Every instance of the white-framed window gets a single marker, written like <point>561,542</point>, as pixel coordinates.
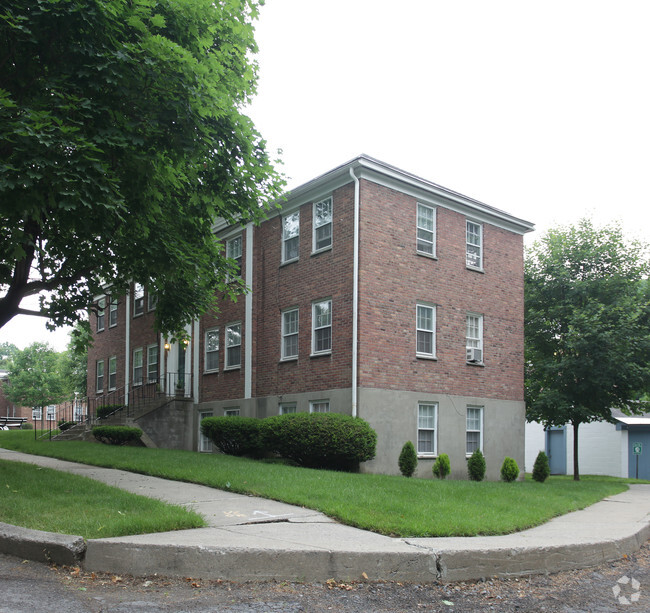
<point>290,237</point>
<point>233,346</point>
<point>138,299</point>
<point>152,301</point>
<point>231,412</point>
<point>212,350</point>
<point>319,406</point>
<point>37,413</point>
<point>322,224</point>
<point>427,427</point>
<point>112,373</point>
<point>474,436</point>
<point>101,314</point>
<point>100,375</point>
<point>152,363</point>
<point>112,313</point>
<point>321,318</point>
<point>474,338</point>
<point>426,229</point>
<point>50,412</point>
<point>474,245</point>
<point>290,334</point>
<point>425,330</point>
<point>205,444</point>
<point>234,252</point>
<point>288,407</point>
<point>137,366</point>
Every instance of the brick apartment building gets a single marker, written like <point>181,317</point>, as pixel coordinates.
<point>374,293</point>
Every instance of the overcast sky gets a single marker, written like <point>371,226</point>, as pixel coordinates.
<point>541,109</point>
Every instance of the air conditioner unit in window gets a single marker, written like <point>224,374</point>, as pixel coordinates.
<point>474,355</point>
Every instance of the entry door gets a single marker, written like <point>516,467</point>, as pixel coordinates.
<point>639,434</point>
<point>556,450</point>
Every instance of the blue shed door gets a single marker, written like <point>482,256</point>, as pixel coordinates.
<point>556,450</point>
<point>639,434</point>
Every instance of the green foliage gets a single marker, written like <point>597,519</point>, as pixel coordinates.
<point>7,351</point>
<point>64,425</point>
<point>476,466</point>
<point>74,367</point>
<point>122,139</point>
<point>320,440</point>
<point>587,326</point>
<point>408,459</point>
<point>108,409</point>
<point>442,466</point>
<point>117,435</point>
<point>509,469</point>
<point>541,468</point>
<point>34,377</point>
<point>236,436</point>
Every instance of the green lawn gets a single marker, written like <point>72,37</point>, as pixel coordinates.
<point>385,504</point>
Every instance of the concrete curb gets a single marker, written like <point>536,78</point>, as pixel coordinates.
<point>48,547</point>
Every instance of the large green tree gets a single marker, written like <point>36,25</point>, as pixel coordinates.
<point>587,326</point>
<point>122,140</point>
<point>35,378</point>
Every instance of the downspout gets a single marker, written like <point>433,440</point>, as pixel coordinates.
<point>355,295</point>
<point>248,323</point>
<point>127,348</point>
<point>195,362</point>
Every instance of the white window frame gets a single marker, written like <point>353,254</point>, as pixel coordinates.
<point>474,335</point>
<point>152,301</point>
<point>230,346</point>
<point>422,232</point>
<point>288,407</point>
<point>234,251</point>
<point>289,235</point>
<point>474,245</point>
<point>290,331</point>
<point>101,314</point>
<point>50,412</point>
<point>421,330</point>
<point>473,429</point>
<point>425,425</point>
<point>138,366</point>
<point>211,337</point>
<point>37,413</point>
<point>112,373</point>
<point>319,406</point>
<point>99,375</point>
<point>319,223</point>
<point>112,313</point>
<point>138,299</point>
<point>317,324</point>
<point>231,412</point>
<point>152,376</point>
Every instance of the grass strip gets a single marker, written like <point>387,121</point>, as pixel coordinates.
<point>55,501</point>
<point>390,505</point>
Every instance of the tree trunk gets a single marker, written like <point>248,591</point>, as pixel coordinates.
<point>576,469</point>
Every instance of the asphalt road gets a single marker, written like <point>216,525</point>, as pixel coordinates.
<point>30,587</point>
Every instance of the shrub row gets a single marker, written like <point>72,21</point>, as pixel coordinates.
<point>107,409</point>
<point>65,425</point>
<point>315,440</point>
<point>117,435</point>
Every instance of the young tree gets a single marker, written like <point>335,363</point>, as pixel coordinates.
<point>122,140</point>
<point>587,327</point>
<point>34,378</point>
<point>74,361</point>
<point>7,350</point>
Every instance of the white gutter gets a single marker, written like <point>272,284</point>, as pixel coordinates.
<point>248,323</point>
<point>355,294</point>
<point>195,362</point>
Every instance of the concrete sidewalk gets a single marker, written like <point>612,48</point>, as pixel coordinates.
<point>252,538</point>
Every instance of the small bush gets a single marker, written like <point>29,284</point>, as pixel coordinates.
<point>320,440</point>
<point>541,468</point>
<point>476,466</point>
<point>509,469</point>
<point>238,436</point>
<point>442,466</point>
<point>408,459</point>
<point>117,435</point>
<point>108,409</point>
<point>27,426</point>
<point>65,425</point>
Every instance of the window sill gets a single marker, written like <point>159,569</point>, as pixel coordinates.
<point>291,359</point>
<point>227,368</point>
<point>431,256</point>
<point>425,356</point>
<point>481,364</point>
<point>211,372</point>
<point>427,456</point>
<point>321,250</point>
<point>137,315</point>
<point>287,262</point>
<point>320,354</point>
<point>475,269</point>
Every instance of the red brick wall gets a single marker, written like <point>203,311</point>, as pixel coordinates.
<point>393,278</point>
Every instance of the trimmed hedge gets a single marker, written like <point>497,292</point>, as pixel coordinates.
<point>117,435</point>
<point>408,459</point>
<point>65,425</point>
<point>476,466</point>
<point>320,440</point>
<point>442,466</point>
<point>236,436</point>
<point>509,469</point>
<point>108,409</point>
<point>541,468</point>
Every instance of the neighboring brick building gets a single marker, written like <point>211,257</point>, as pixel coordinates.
<point>374,293</point>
